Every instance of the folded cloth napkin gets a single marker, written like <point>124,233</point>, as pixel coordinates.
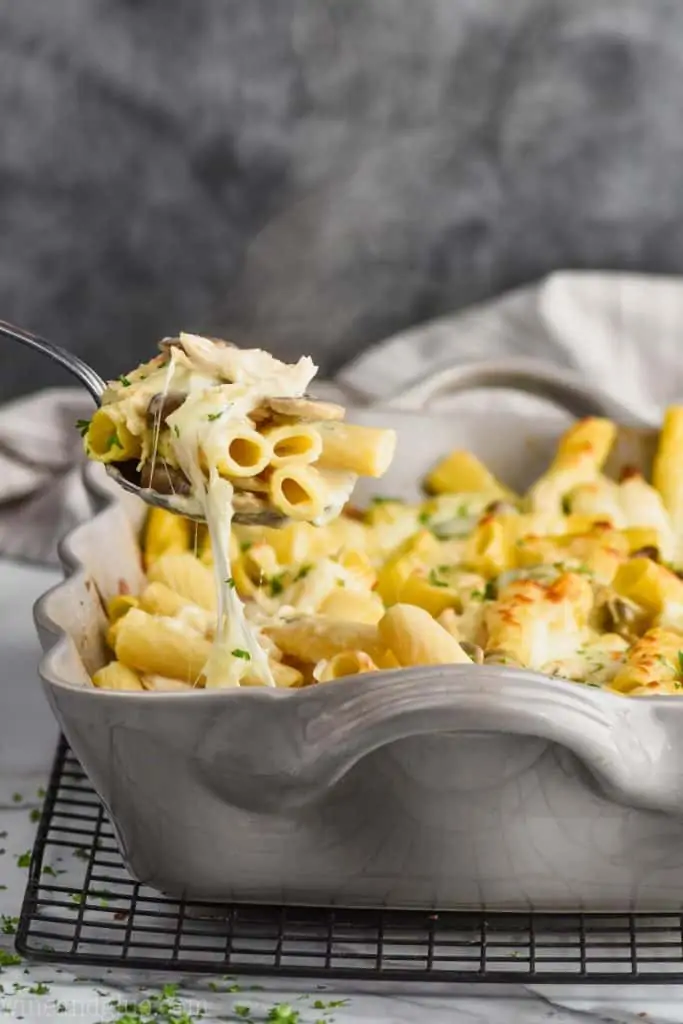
<point>621,331</point>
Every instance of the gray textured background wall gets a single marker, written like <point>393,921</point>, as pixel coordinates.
<point>314,174</point>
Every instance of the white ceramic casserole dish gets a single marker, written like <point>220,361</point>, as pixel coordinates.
<point>452,787</point>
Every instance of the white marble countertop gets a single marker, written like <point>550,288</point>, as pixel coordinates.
<point>33,992</point>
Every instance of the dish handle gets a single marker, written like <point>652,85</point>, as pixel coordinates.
<point>534,377</point>
<point>309,744</point>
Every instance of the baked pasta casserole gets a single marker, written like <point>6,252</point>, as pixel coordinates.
<point>577,578</point>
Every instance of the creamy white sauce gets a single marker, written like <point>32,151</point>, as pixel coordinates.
<point>200,431</point>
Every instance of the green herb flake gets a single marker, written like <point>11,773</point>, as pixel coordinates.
<point>490,591</point>
<point>275,585</point>
<point>24,859</point>
<point>214,416</point>
<point>81,853</point>
<point>239,653</point>
<point>230,582</point>
<point>242,1011</point>
<point>245,545</point>
<point>35,814</point>
<point>302,573</point>
<point>39,989</point>
<point>82,426</point>
<point>424,518</point>
<point>680,662</point>
<point>434,579</point>
<point>17,798</point>
<point>381,500</point>
<point>124,381</point>
<point>40,793</point>
<point>113,442</point>
<point>283,1013</point>
<point>77,898</point>
<point>48,870</point>
<point>9,959</point>
<point>566,505</point>
<point>176,431</point>
<point>8,925</point>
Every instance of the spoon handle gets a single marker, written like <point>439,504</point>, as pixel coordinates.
<point>79,369</point>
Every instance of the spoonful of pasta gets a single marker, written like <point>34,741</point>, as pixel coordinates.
<point>205,424</point>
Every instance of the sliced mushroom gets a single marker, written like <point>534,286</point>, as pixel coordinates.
<point>648,551</point>
<point>257,509</point>
<point>164,479</point>
<point>473,651</point>
<point>167,343</point>
<point>303,409</point>
<point>498,507</point>
<point>162,405</point>
<point>621,617</point>
<point>498,657</point>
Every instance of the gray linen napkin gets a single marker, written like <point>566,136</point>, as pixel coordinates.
<point>621,331</point>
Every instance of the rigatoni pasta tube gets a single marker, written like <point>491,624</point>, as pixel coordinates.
<point>294,442</point>
<point>187,576</point>
<point>314,638</point>
<point>353,606</point>
<point>298,491</point>
<point>160,646</point>
<point>116,676</point>
<point>243,452</point>
<point>653,662</point>
<point>666,471</point>
<point>367,451</point>
<point>416,639</point>
<point>460,472</point>
<point>108,439</point>
<point>648,584</point>
<point>165,533</point>
<point>346,663</point>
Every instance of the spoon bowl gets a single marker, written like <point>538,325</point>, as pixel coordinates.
<point>249,510</point>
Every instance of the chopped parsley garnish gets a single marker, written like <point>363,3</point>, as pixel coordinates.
<point>214,415</point>
<point>680,662</point>
<point>424,518</point>
<point>490,591</point>
<point>82,426</point>
<point>434,578</point>
<point>302,573</point>
<point>39,989</point>
<point>124,381</point>
<point>239,653</point>
<point>8,925</point>
<point>112,441</point>
<point>35,814</point>
<point>8,959</point>
<point>231,583</point>
<point>275,585</point>
<point>245,545</point>
<point>176,431</point>
<point>76,897</point>
<point>380,500</point>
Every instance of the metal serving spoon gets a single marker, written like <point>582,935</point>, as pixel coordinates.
<point>249,510</point>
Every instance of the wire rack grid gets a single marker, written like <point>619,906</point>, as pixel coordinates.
<point>82,907</point>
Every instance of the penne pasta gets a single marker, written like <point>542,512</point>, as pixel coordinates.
<point>316,638</point>
<point>346,663</point>
<point>366,451</point>
<point>462,473</point>
<point>294,443</point>
<point>155,645</point>
<point>298,491</point>
<point>116,676</point>
<point>108,439</point>
<point>415,638</point>
<point>187,576</point>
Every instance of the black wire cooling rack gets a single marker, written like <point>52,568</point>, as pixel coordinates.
<point>82,907</point>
